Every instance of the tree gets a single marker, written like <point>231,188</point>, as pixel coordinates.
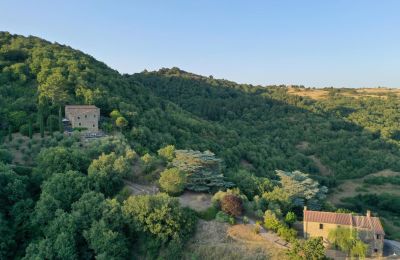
<point>298,189</point>
<point>167,152</point>
<point>311,249</point>
<point>53,88</point>
<point>160,215</point>
<point>121,122</point>
<point>9,133</point>
<point>41,124</point>
<point>232,205</point>
<point>107,172</point>
<point>347,240</point>
<point>30,128</point>
<point>60,159</point>
<point>290,218</point>
<point>173,181</point>
<point>60,123</point>
<point>271,221</point>
<point>203,169</point>
<point>105,242</point>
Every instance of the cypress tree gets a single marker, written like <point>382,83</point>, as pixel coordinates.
<point>50,125</point>
<point>60,123</point>
<point>30,128</point>
<point>9,133</point>
<point>41,124</point>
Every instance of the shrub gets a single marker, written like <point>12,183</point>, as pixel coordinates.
<point>208,214</point>
<point>312,248</point>
<point>222,217</point>
<point>24,130</point>
<point>290,218</point>
<point>232,205</point>
<point>288,234</point>
<point>167,152</point>
<point>271,221</point>
<point>173,181</point>
<point>245,220</point>
<point>257,228</point>
<point>5,156</point>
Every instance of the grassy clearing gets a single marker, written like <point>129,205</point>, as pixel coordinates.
<point>212,241</point>
<point>319,94</point>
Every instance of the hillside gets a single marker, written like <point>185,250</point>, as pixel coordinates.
<point>62,197</point>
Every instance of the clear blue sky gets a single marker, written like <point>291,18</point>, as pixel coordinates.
<point>353,43</point>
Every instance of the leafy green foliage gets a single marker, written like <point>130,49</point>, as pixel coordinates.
<point>60,159</point>
<point>167,152</point>
<point>159,215</point>
<point>347,240</point>
<point>173,181</point>
<point>311,249</point>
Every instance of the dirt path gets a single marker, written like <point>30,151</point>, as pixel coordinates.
<point>138,189</point>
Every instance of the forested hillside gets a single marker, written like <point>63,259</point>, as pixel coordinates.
<point>279,130</point>
<point>64,198</point>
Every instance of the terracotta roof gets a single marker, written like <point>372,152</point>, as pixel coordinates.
<point>362,222</point>
<point>80,106</point>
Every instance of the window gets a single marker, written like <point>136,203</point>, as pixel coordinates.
<point>378,236</point>
<point>79,117</point>
<point>321,226</point>
<point>93,125</point>
<point>94,115</point>
<point>85,116</point>
<point>376,250</point>
<point>79,124</point>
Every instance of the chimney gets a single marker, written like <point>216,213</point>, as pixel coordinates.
<point>368,213</point>
<point>305,208</point>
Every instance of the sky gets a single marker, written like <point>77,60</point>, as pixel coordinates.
<point>316,43</point>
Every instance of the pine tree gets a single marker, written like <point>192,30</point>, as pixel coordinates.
<point>203,169</point>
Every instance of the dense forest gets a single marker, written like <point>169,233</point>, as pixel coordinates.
<point>68,200</point>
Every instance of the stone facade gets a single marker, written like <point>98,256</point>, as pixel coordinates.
<point>83,116</point>
<point>369,229</point>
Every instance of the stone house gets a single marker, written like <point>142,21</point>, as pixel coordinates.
<point>83,116</point>
<point>369,229</point>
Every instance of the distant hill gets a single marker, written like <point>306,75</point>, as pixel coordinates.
<point>251,127</point>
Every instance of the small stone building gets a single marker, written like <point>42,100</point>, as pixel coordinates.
<point>83,116</point>
<point>370,230</point>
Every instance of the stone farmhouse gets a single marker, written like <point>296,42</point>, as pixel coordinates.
<point>370,230</point>
<point>83,116</point>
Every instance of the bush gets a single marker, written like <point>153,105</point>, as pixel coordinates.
<point>271,221</point>
<point>222,217</point>
<point>173,181</point>
<point>257,228</point>
<point>5,156</point>
<point>288,234</point>
<point>245,220</point>
<point>167,152</point>
<point>290,218</point>
<point>231,205</point>
<point>208,214</point>
<point>24,130</point>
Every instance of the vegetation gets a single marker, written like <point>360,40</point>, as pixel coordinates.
<point>173,181</point>
<point>348,241</point>
<point>67,202</point>
<point>311,249</point>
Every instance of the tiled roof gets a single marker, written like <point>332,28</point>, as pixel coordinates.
<point>362,222</point>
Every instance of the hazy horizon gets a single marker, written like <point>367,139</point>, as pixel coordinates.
<point>313,43</point>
